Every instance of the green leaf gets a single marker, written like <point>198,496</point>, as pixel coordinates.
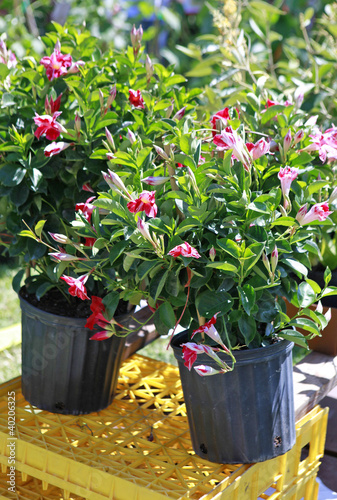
<point>247,326</point>
<point>327,276</point>
<point>283,221</point>
<point>110,302</point>
<point>28,234</point>
<point>224,266</point>
<point>42,289</point>
<point>209,303</point>
<point>145,267</point>
<point>16,283</point>
<point>172,284</point>
<point>296,266</point>
<point>305,294</point>
<point>247,295</point>
<point>117,250</point>
<point>230,247</point>
<point>185,160</point>
<point>315,286</point>
<point>265,9</point>
<point>11,175</point>
<point>187,224</point>
<point>305,324</point>
<point>293,336</point>
<point>39,227</point>
<point>272,110</point>
<point>157,284</point>
<point>167,315</point>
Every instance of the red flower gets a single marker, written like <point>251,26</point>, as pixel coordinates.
<point>135,98</point>
<point>146,202</point>
<point>102,335</point>
<point>48,125</point>
<point>89,242</point>
<point>96,318</point>
<point>51,106</point>
<point>86,208</point>
<point>57,64</point>
<point>185,250</point>
<point>77,288</point>
<point>222,115</point>
<point>206,326</point>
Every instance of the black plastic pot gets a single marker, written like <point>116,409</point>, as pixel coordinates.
<point>62,370</point>
<point>242,416</point>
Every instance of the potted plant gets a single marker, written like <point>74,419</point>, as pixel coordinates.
<point>63,117</point>
<point>216,229</point>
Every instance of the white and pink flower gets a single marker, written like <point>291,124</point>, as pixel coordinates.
<point>54,148</point>
<point>287,175</point>
<point>76,286</point>
<point>318,212</point>
<point>145,203</point>
<point>184,250</point>
<point>48,125</point>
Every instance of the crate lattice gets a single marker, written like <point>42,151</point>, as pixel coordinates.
<point>140,448</point>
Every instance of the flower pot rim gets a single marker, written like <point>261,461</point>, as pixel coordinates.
<point>57,318</point>
<point>243,356</point>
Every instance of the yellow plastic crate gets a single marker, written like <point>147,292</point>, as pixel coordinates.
<point>139,448</point>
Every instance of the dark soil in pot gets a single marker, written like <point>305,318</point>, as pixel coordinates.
<point>55,302</point>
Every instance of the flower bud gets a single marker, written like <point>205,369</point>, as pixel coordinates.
<point>266,262</point>
<point>149,68</point>
<point>110,156</point>
<point>169,111</point>
<point>274,259</point>
<point>161,152</point>
<point>143,228</point>
<point>78,125</point>
<point>62,256</point>
<point>110,139</point>
<point>58,46</point>
<point>287,142</point>
<point>299,96</point>
<point>204,370</point>
<point>155,181</point>
<point>86,187</point>
<point>298,136</point>
<point>179,114</point>
<point>60,238</point>
<point>114,181</point>
<point>212,254</point>
<point>131,136</point>
<point>112,96</point>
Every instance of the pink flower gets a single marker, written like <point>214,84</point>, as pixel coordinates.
<point>258,149</point>
<point>298,136</point>
<point>54,148</point>
<point>77,288</point>
<point>319,211</point>
<point>229,139</point>
<point>48,125</point>
<point>51,106</point>
<point>57,64</point>
<point>135,98</point>
<point>86,208</point>
<point>75,67</point>
<point>185,250</point>
<point>325,144</point>
<point>287,175</point>
<point>146,202</point>
<point>212,253</point>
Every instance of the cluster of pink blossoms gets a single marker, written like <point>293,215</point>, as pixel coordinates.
<point>325,143</point>
<point>58,64</point>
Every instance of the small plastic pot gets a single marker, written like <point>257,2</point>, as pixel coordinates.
<point>242,416</point>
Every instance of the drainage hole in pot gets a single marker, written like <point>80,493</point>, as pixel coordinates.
<point>277,441</point>
<point>203,448</point>
<point>59,405</point>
